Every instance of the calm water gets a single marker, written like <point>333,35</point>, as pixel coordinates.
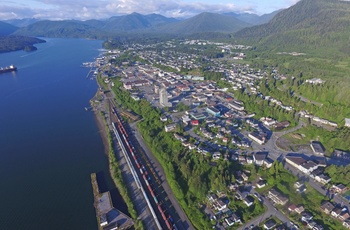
<point>49,144</point>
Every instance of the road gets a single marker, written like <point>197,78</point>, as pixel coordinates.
<point>271,211</point>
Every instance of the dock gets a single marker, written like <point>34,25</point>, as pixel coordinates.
<point>108,216</point>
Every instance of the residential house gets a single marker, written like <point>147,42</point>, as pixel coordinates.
<point>270,224</point>
<point>344,215</point>
<point>346,223</point>
<point>292,208</point>
<point>322,178</point>
<point>336,212</point>
<point>299,209</point>
<point>308,166</point>
<point>259,158</point>
<point>261,183</point>
<point>306,217</point>
<point>327,207</point>
<point>317,148</point>
<point>277,197</point>
<point>216,155</point>
<point>232,219</point>
<point>170,127</point>
<point>268,162</point>
<point>219,205</point>
<point>212,197</point>
<point>295,161</point>
<point>339,188</point>
<point>248,201</point>
<point>257,138</point>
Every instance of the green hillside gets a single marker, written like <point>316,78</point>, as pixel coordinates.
<point>62,29</point>
<point>14,43</point>
<point>314,26</point>
<point>205,22</point>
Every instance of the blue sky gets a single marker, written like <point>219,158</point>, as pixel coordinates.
<point>87,9</point>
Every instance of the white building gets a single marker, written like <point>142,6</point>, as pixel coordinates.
<point>347,122</point>
<point>163,98</point>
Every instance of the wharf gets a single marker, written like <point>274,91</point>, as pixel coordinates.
<point>108,216</point>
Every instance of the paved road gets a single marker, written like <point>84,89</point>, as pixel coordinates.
<point>271,211</point>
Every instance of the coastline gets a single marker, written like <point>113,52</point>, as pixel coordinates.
<point>114,171</point>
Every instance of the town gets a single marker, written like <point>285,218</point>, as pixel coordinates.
<point>205,111</point>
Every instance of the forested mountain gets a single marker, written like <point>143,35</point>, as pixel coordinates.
<point>6,28</point>
<point>309,25</point>
<point>205,22</point>
<point>13,43</point>
<point>74,29</point>
<point>135,21</point>
<point>253,19</point>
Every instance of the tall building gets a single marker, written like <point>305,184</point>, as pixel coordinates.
<point>163,98</point>
<point>156,89</point>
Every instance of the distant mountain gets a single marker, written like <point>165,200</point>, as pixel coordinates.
<point>205,22</point>
<point>309,25</point>
<point>253,19</point>
<point>6,28</point>
<point>74,29</point>
<point>22,22</point>
<point>135,21</point>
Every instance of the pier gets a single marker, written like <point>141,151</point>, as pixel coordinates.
<point>108,216</point>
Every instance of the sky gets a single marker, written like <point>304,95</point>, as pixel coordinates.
<point>100,9</point>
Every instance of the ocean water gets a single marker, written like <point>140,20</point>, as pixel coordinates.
<point>49,144</point>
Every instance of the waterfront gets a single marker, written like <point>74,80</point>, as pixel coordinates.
<point>49,144</point>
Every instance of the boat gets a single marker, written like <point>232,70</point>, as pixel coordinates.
<point>8,69</point>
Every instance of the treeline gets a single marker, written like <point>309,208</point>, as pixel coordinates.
<point>339,174</point>
<point>190,175</point>
<point>264,108</point>
<point>14,43</point>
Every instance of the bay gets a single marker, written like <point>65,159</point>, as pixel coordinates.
<point>49,144</point>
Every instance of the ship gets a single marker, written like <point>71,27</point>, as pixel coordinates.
<point>8,69</point>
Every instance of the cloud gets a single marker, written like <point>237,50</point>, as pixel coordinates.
<point>98,9</point>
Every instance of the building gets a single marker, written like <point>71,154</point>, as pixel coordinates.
<point>213,111</point>
<point>339,188</point>
<point>259,158</point>
<point>317,148</point>
<point>170,127</point>
<point>327,207</point>
<point>347,122</point>
<point>295,161</point>
<point>315,81</point>
<point>270,224</point>
<point>163,98</point>
<point>257,138</point>
<point>236,106</point>
<point>277,197</point>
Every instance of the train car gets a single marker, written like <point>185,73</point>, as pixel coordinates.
<point>144,178</point>
<point>152,193</point>
<point>168,225</point>
<point>155,199</point>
